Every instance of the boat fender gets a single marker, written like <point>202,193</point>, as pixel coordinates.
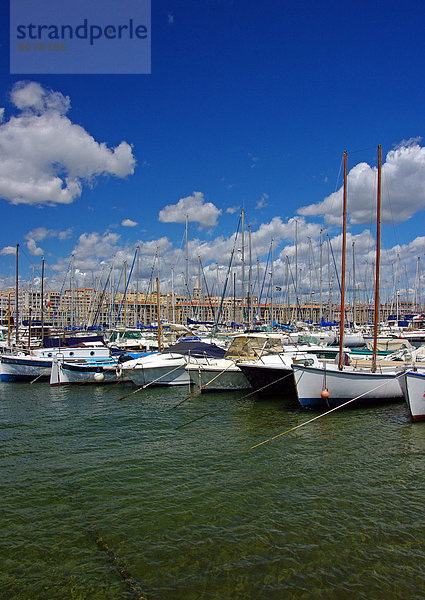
<point>325,394</point>
<point>99,377</point>
<point>118,371</point>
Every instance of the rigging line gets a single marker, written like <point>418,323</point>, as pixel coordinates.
<point>227,276</point>
<point>339,173</point>
<point>207,290</point>
<point>114,295</point>
<point>101,299</point>
<point>362,150</point>
<point>324,414</point>
<point>264,279</point>
<point>334,261</point>
<point>337,276</point>
<point>297,300</point>
<point>315,271</point>
<point>148,291</point>
<point>61,291</point>
<point>125,290</point>
<point>384,176</point>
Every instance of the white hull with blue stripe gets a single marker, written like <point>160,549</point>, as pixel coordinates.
<point>38,364</point>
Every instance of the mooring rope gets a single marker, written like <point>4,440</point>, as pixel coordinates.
<point>242,399</point>
<point>43,374</point>
<point>125,375</point>
<point>150,383</point>
<point>324,414</point>
<point>203,387</point>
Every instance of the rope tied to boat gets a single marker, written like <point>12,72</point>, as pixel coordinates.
<point>238,400</point>
<point>325,413</point>
<point>150,383</point>
<point>203,387</point>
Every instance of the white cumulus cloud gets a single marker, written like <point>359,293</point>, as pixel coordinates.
<point>45,158</point>
<point>128,223</point>
<point>403,189</point>
<point>8,250</point>
<point>41,233</point>
<point>195,208</point>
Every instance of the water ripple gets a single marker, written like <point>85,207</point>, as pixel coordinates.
<point>332,510</point>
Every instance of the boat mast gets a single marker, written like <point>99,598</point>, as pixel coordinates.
<point>42,299</point>
<point>173,305</point>
<point>272,285</point>
<point>296,271</point>
<point>125,295</point>
<point>17,296</point>
<point>136,320</point>
<point>250,302</point>
<point>187,267</point>
<point>354,285</point>
<point>8,320</point>
<point>330,312</point>
<point>243,268</point>
<point>378,257</point>
<point>310,278</point>
<point>72,291</point>
<point>344,241</point>
<point>158,303</point>
<point>321,274</point>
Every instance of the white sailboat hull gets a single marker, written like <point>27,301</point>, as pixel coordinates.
<point>157,369</point>
<point>343,386</point>
<point>412,384</point>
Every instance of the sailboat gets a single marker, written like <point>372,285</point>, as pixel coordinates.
<point>331,385</point>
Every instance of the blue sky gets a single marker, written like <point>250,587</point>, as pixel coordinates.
<point>248,105</point>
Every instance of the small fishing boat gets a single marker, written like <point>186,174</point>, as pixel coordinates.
<point>327,386</point>
<point>412,384</point>
<point>86,371</point>
<point>37,364</point>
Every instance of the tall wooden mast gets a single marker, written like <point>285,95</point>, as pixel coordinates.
<point>344,243</point>
<point>378,261</point>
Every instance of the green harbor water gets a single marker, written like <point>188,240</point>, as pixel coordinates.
<point>102,498</point>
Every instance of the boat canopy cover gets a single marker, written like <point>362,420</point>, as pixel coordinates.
<point>324,323</point>
<point>195,322</point>
<point>197,349</point>
<point>282,326</point>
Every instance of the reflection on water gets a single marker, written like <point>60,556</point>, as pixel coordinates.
<point>331,510</point>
